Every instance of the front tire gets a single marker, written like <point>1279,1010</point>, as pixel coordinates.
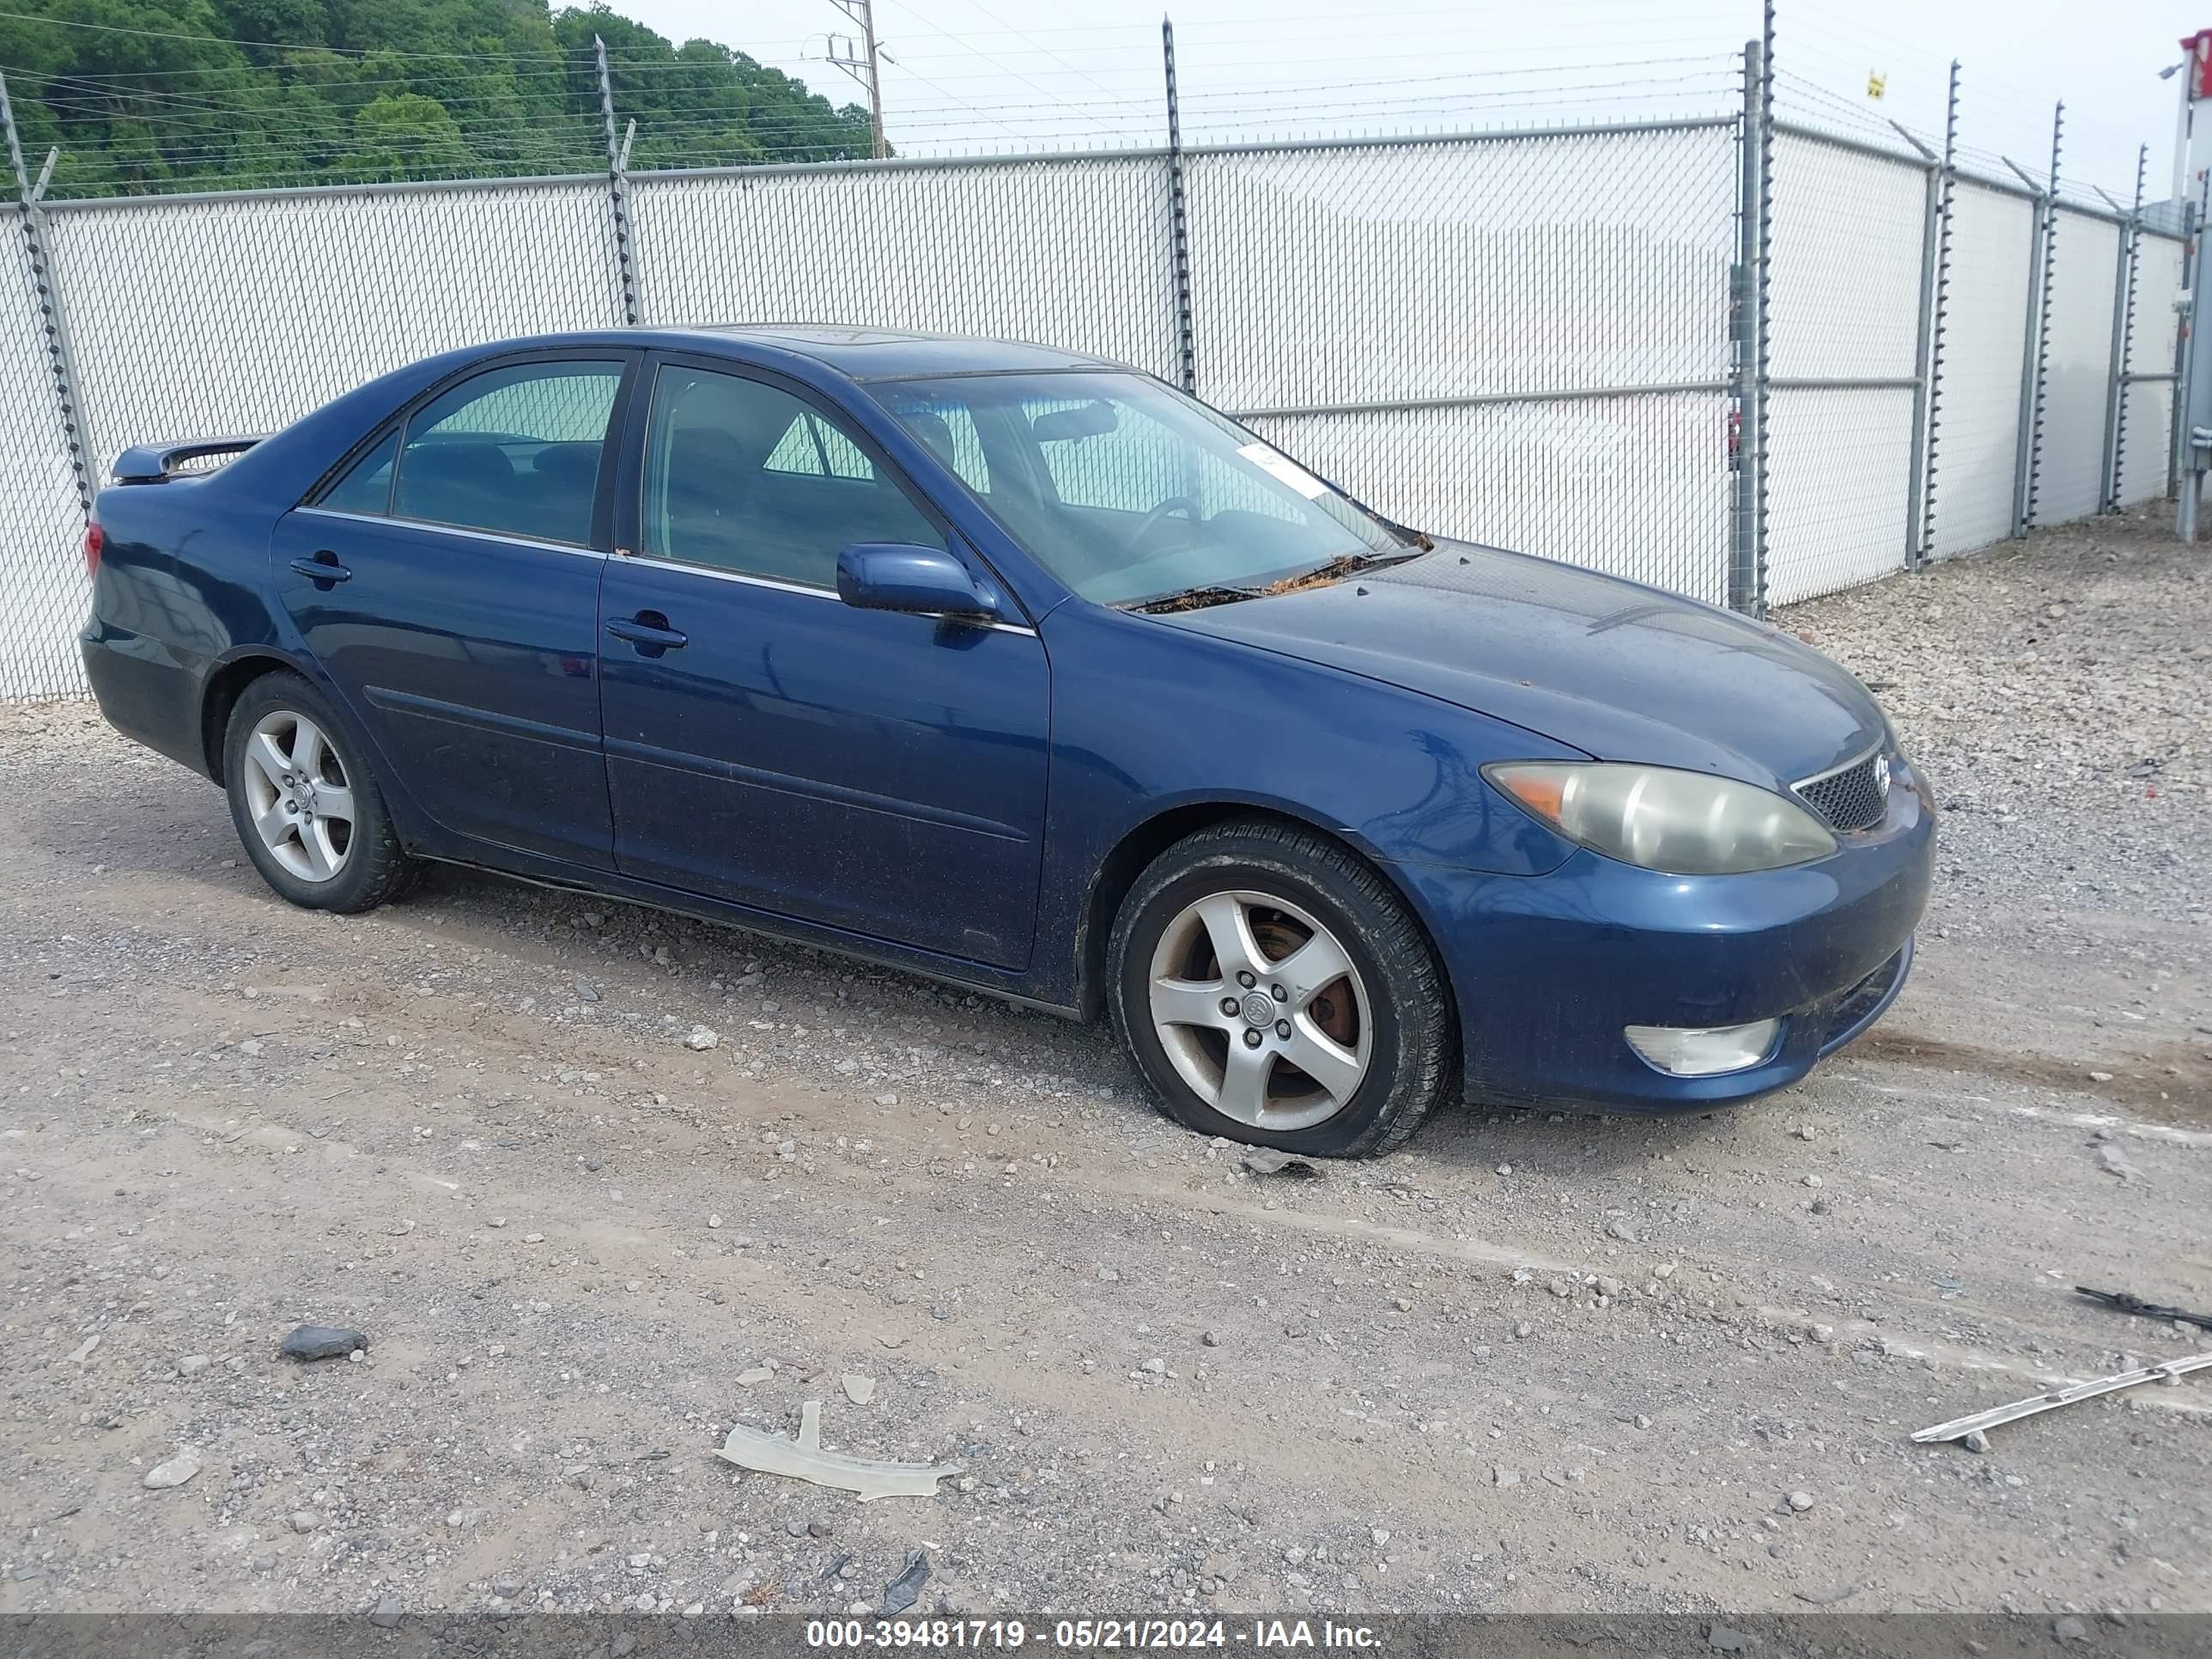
<point>1275,989</point>
<point>307,808</point>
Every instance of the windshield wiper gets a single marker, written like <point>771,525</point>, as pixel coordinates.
<point>1345,564</point>
<point>1377,561</point>
<point>1193,598</point>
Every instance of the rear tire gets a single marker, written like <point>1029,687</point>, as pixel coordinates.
<point>1275,989</point>
<point>307,808</point>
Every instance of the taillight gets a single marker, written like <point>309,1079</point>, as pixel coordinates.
<point>93,541</point>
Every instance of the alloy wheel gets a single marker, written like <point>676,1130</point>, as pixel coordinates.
<point>298,796</point>
<point>1261,1010</point>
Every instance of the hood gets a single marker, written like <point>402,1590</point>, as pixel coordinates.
<point>1618,669</point>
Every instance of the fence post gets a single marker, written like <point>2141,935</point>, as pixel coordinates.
<point>2124,330</point>
<point>1178,220</point>
<point>1924,343</point>
<point>1927,401</point>
<point>1762,341</point>
<point>1743,516</point>
<point>2176,421</point>
<point>2028,457</point>
<point>617,188</point>
<point>46,285</point>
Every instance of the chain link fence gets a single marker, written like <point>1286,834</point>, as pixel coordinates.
<point>240,313</point>
<point>1975,479</point>
<point>1844,273</point>
<point>1071,250</point>
<point>1519,339</point>
<point>2144,445</point>
<point>42,582</point>
<point>1541,339</point>
<point>2078,367</point>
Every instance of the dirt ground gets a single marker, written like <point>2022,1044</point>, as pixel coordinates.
<point>1530,1362</point>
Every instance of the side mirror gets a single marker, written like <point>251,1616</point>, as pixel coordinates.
<point>920,581</point>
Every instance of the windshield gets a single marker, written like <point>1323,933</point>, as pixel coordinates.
<point>1131,493</point>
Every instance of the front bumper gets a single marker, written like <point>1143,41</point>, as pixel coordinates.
<point>1548,971</point>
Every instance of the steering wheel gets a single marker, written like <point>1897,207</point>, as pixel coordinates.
<point>1159,516</point>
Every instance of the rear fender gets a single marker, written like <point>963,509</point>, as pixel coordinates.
<point>227,682</point>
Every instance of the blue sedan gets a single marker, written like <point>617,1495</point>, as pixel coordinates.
<point>1016,668</point>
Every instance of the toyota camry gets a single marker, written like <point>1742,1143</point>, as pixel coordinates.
<point>1018,668</point>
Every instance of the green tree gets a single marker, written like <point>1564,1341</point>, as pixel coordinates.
<point>405,137</point>
<point>210,94</point>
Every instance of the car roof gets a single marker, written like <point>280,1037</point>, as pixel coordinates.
<point>858,353</point>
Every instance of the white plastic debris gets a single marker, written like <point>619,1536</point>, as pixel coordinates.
<point>802,1459</point>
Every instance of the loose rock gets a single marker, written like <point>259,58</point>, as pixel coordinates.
<point>321,1342</point>
<point>174,1472</point>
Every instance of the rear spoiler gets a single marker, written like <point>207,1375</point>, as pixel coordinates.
<point>158,462</point>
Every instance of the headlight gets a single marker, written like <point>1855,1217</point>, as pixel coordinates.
<point>1686,823</point>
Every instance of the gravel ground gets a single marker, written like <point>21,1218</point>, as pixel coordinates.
<point>1530,1362</point>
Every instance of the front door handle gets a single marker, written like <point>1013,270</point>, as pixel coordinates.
<point>324,570</point>
<point>649,632</point>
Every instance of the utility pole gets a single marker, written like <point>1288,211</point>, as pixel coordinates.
<point>858,59</point>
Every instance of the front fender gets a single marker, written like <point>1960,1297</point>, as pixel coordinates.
<point>1152,724</point>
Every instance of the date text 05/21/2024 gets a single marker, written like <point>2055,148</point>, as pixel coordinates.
<point>1088,1634</point>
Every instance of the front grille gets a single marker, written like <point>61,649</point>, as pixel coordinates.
<point>1852,800</point>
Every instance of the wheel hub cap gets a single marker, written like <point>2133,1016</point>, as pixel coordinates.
<point>1259,1008</point>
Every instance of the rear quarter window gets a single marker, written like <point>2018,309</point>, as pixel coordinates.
<point>367,485</point>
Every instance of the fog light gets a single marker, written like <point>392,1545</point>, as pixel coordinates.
<point>1686,1051</point>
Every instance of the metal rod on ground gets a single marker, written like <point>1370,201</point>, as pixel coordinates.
<point>1743,527</point>
<point>1178,221</point>
<point>2127,1303</point>
<point>2124,323</point>
<point>1959,1427</point>
<point>53,317</point>
<point>1926,506</point>
<point>617,190</point>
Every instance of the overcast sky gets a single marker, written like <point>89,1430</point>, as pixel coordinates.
<point>969,75</point>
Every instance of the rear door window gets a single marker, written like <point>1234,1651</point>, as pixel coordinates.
<point>513,450</point>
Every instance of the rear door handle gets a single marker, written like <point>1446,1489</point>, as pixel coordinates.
<point>649,632</point>
<point>324,570</point>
